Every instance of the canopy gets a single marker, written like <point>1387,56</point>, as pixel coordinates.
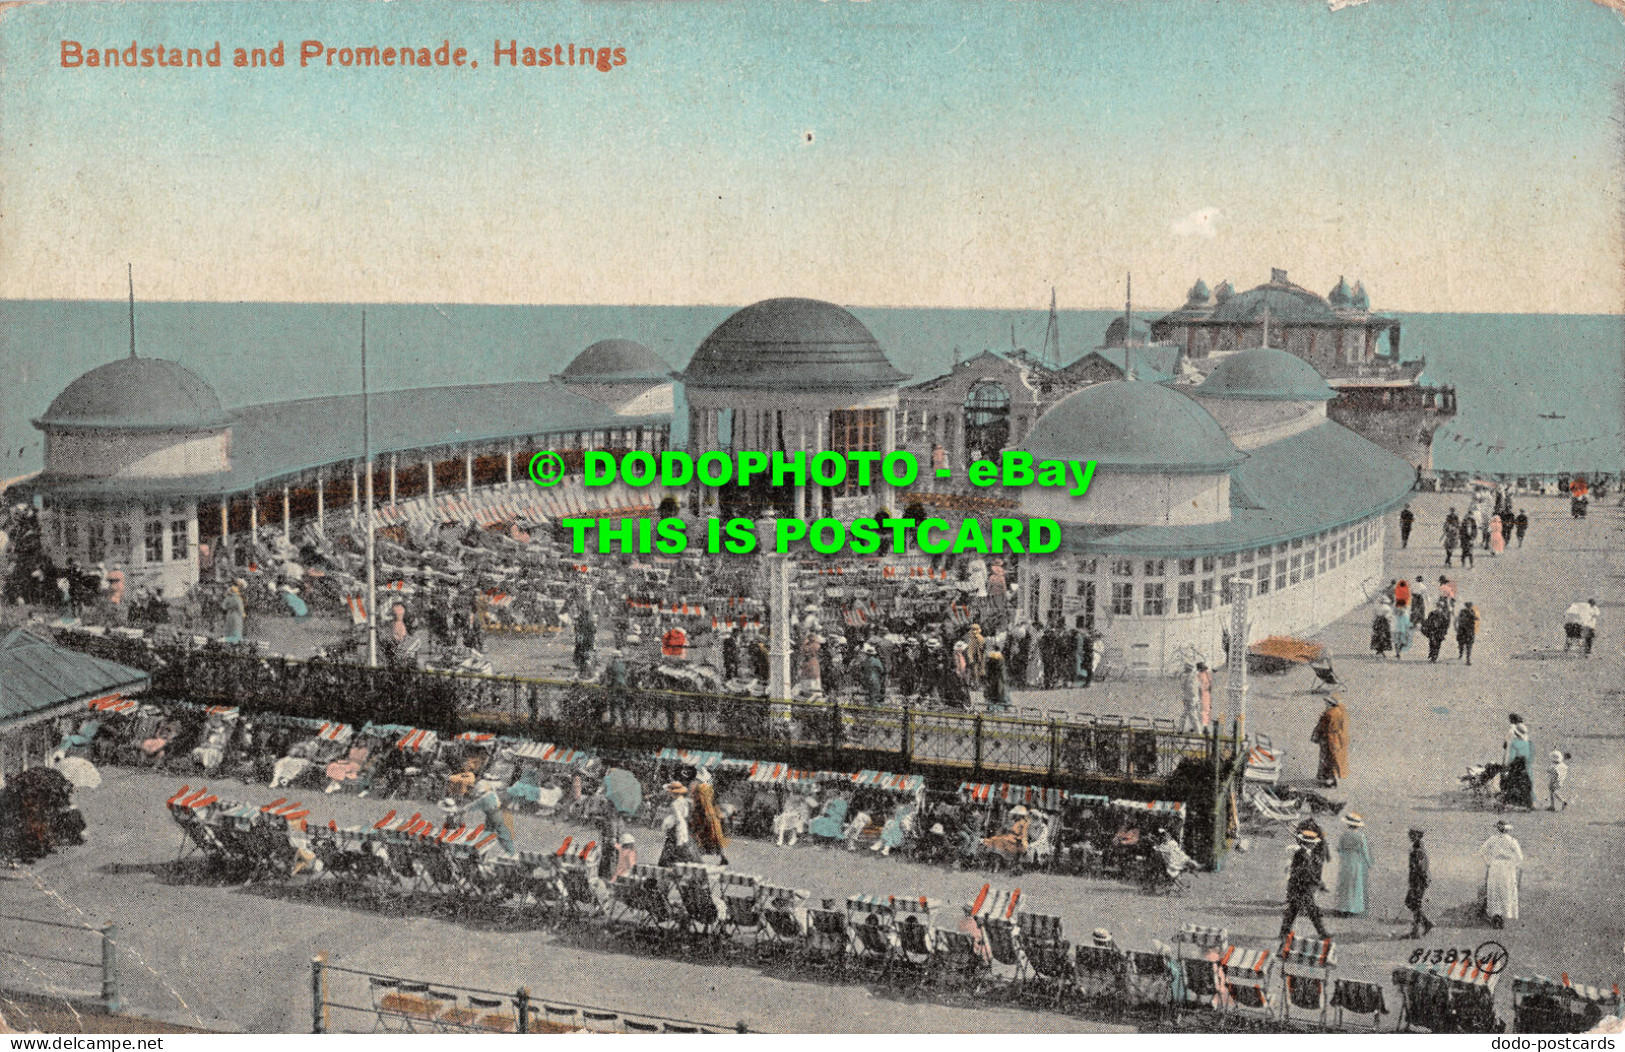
<point>1287,648</point>
<point>691,757</point>
<point>904,784</point>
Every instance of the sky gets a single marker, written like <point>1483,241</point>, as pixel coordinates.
<point>1455,155</point>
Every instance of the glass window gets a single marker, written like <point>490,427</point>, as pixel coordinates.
<point>1187,597</point>
<point>1089,566</point>
<point>1322,558</point>
<point>70,535</point>
<point>1207,564</point>
<point>1122,567</point>
<point>1247,556</point>
<point>97,534</point>
<point>1297,542</point>
<point>121,540</point>
<point>177,540</point>
<point>1122,598</point>
<point>1280,575</point>
<point>1295,573</point>
<point>1229,561</point>
<point>1156,599</point>
<point>1205,600</point>
<point>1309,565</point>
<point>1156,567</point>
<point>1263,582</point>
<point>1187,567</point>
<point>1280,549</point>
<point>56,530</point>
<point>155,542</point>
<point>1226,589</point>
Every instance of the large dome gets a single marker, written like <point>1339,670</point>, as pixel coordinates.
<point>616,362</point>
<point>1134,425</point>
<point>137,394</point>
<point>1266,374</point>
<point>791,344</point>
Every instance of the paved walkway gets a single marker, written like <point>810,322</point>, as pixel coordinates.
<point>238,957</point>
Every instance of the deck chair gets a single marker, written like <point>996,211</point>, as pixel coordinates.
<point>827,938</point>
<point>450,1017</point>
<point>1306,966</point>
<point>580,886</point>
<point>679,1028</point>
<point>411,1005</point>
<point>1048,954</point>
<point>1199,947</point>
<point>600,1022</point>
<point>564,1017</point>
<point>782,929</point>
<point>1100,973</point>
<point>959,962</point>
<point>1004,943</point>
<point>385,1016</point>
<point>1359,999</point>
<point>874,944</point>
<point>1153,978</point>
<point>702,906</point>
<point>1248,976</point>
<point>635,1027</point>
<point>740,894</point>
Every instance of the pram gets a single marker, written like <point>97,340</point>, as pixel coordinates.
<point>1479,781</point>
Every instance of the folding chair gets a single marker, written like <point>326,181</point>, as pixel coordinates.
<point>451,1016</point>
<point>740,894</point>
<point>678,1028</point>
<point>959,960</point>
<point>1100,972</point>
<point>561,1016</point>
<point>1153,978</point>
<point>1004,944</point>
<point>827,936</point>
<point>381,990</point>
<point>1199,947</point>
<point>783,928</point>
<point>1306,966</point>
<point>1358,998</point>
<point>635,1027</point>
<point>1247,976</point>
<point>599,1022</point>
<point>1048,955</point>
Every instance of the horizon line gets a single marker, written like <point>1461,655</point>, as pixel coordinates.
<point>1042,309</point>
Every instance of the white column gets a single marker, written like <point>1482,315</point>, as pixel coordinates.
<point>253,518</point>
<point>355,493</point>
<point>321,500</point>
<point>225,519</point>
<point>429,464</point>
<point>392,480</point>
<point>468,472</point>
<point>508,467</point>
<point>801,446</point>
<point>285,509</point>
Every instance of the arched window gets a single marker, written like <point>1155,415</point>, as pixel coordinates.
<point>987,419</point>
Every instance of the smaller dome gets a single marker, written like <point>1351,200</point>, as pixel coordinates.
<point>616,361</point>
<point>1198,295</point>
<point>1134,426</point>
<point>1360,301</point>
<point>137,394</point>
<point>1265,374</point>
<point>1223,292</point>
<point>1340,296</point>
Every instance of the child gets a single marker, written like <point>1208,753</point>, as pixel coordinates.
<point>1556,776</point>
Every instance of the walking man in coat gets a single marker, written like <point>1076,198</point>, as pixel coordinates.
<point>1407,519</point>
<point>1466,632</point>
<point>1332,735</point>
<point>1302,881</point>
<point>1417,888</point>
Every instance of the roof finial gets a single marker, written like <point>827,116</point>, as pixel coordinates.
<point>129,270</point>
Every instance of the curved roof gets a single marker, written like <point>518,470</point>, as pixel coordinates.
<point>791,344</point>
<point>137,394</point>
<point>1342,294</point>
<point>1278,493</point>
<point>1198,294</point>
<point>616,361</point>
<point>1135,426</point>
<point>1266,374</point>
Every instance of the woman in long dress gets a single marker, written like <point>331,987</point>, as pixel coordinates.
<point>1503,858</point>
<point>1012,843</point>
<point>1353,866</point>
<point>1402,631</point>
<point>707,829</point>
<point>1517,781</point>
<point>1498,541</point>
<point>232,607</point>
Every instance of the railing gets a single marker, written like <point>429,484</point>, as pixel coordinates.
<point>33,943</point>
<point>400,1004</point>
<point>1135,758</point>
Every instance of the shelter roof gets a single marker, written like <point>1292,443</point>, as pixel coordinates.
<point>37,675</point>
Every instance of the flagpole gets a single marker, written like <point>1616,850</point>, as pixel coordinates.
<point>366,448</point>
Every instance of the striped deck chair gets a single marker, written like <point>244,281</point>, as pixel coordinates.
<point>740,895</point>
<point>1199,947</point>
<point>1350,997</point>
<point>872,921</point>
<point>1048,954</point>
<point>1100,972</point>
<point>1306,966</point>
<point>914,914</point>
<point>1248,978</point>
<point>783,920</point>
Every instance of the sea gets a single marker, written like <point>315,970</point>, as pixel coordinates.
<point>1537,393</point>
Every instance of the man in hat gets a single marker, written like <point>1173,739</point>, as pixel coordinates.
<point>1503,858</point>
<point>1102,939</point>
<point>616,682</point>
<point>1332,735</point>
<point>1302,881</point>
<point>1580,624</point>
<point>1417,887</point>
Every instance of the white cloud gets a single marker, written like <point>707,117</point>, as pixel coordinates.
<point>1198,224</point>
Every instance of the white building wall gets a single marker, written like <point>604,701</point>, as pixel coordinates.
<point>1139,643</point>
